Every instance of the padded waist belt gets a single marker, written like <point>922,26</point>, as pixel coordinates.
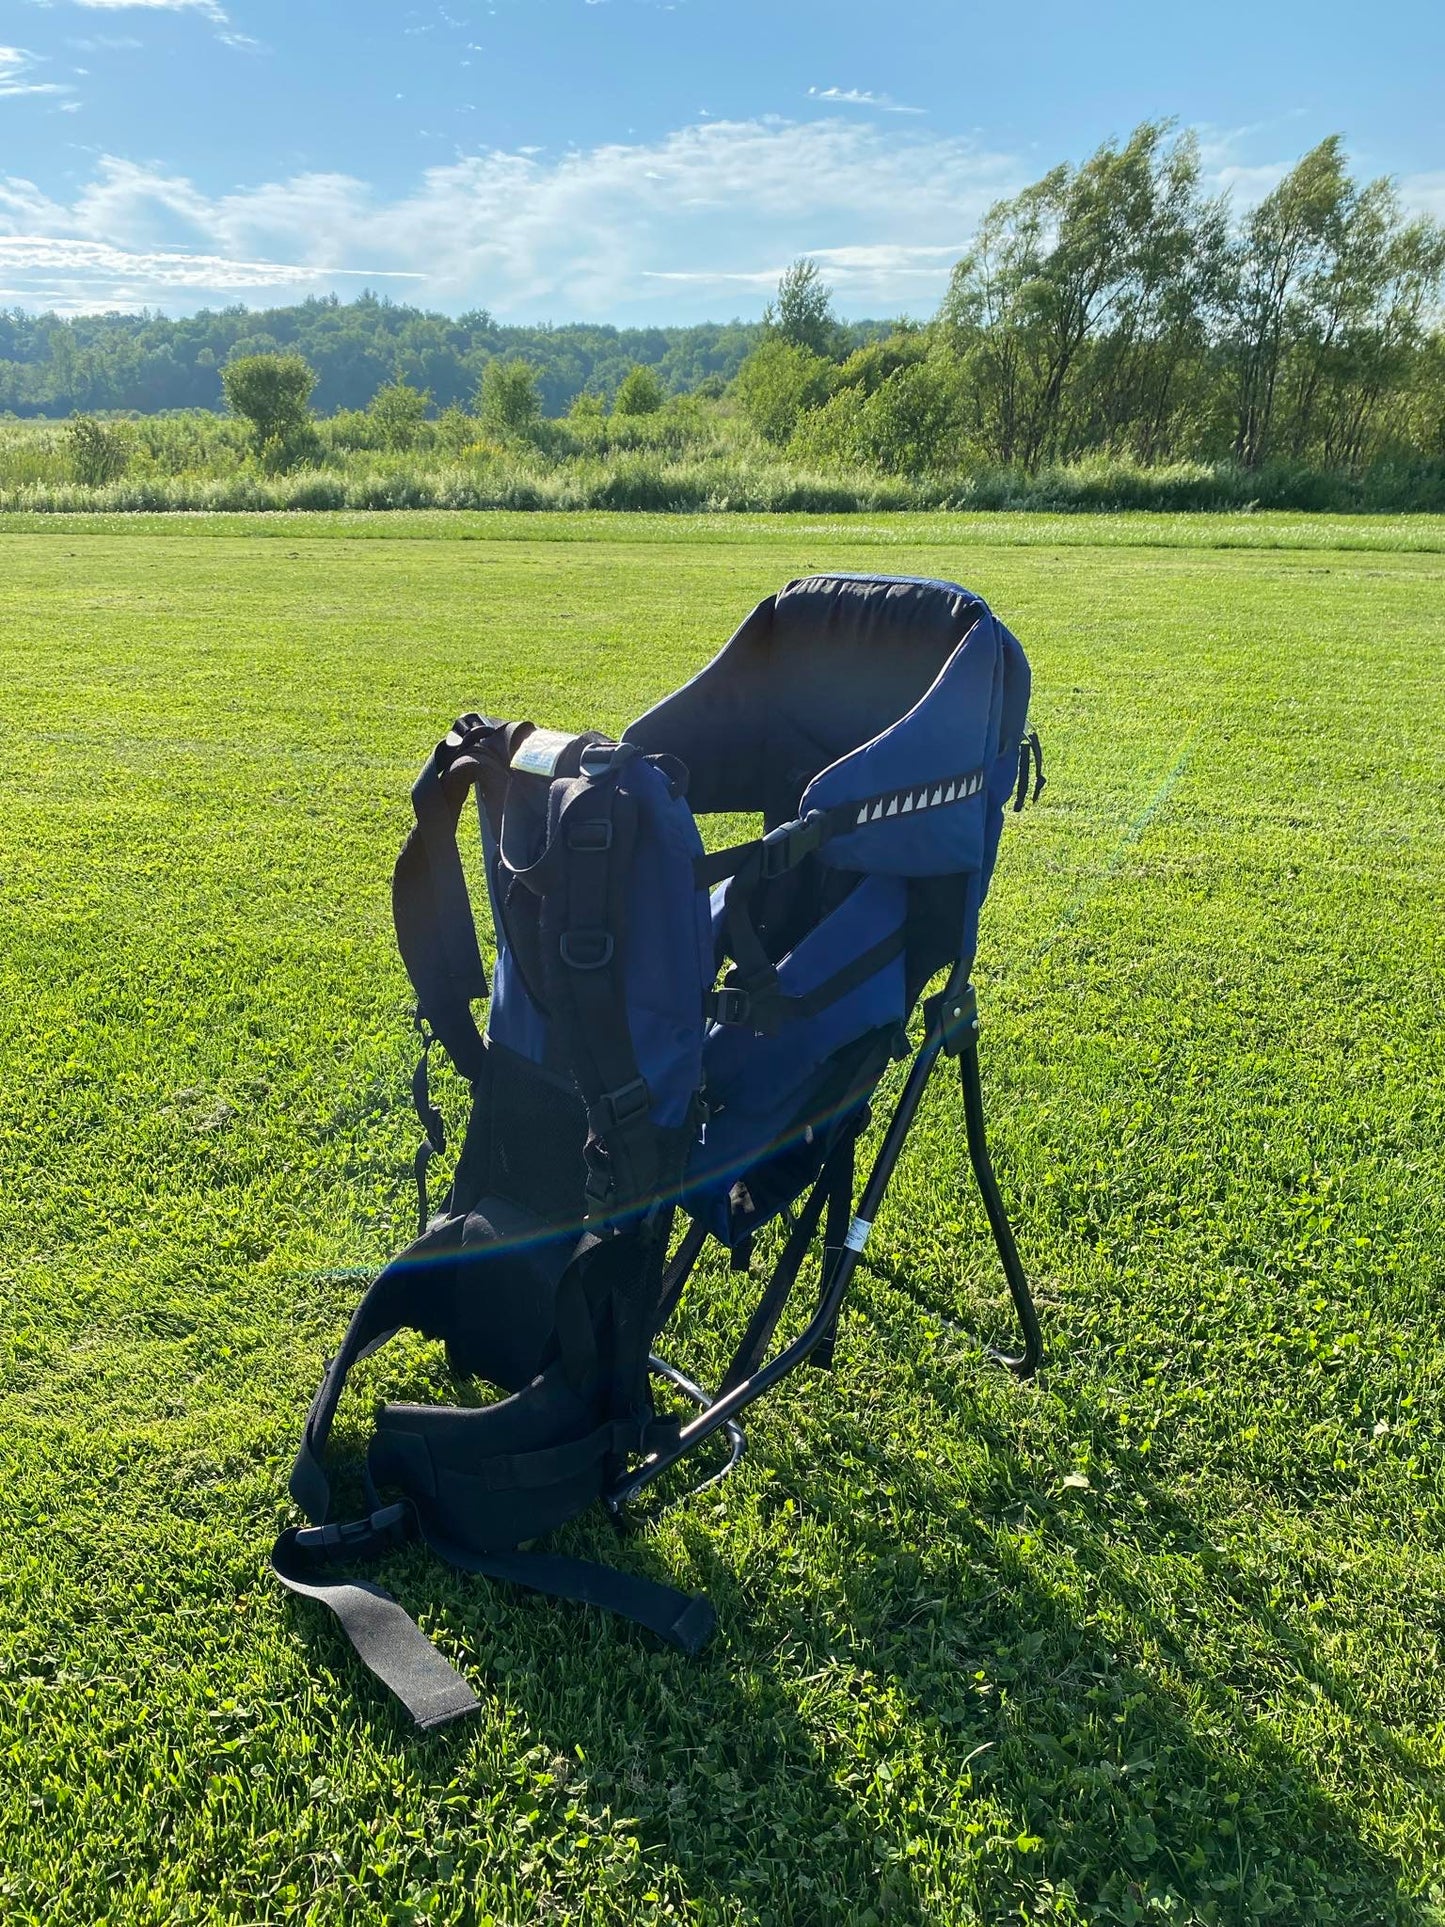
<point>477,1484</point>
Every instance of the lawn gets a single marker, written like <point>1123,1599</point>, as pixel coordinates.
<point>1156,1638</point>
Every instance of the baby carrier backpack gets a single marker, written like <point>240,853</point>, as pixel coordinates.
<point>679,1045</point>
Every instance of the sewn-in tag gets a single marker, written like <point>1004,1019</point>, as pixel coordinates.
<point>541,752</point>
<point>858,1233</point>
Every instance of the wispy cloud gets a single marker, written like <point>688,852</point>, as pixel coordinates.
<point>887,269</point>
<point>861,97</point>
<point>16,66</point>
<point>1424,193</point>
<point>717,208</point>
<point>209,9</point>
<point>63,263</point>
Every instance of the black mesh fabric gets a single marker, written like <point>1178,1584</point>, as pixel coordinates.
<point>536,1156</point>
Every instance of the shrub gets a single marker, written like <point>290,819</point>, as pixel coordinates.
<point>640,392</point>
<point>507,400</point>
<point>398,410</point>
<point>777,383</point>
<point>271,393</point>
<point>97,454</point>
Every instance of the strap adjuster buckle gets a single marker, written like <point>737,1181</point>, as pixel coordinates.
<point>387,1528</point>
<point>731,1005</point>
<point>784,848</point>
<point>621,1106</point>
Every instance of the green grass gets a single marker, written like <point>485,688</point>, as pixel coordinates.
<point>954,1681</point>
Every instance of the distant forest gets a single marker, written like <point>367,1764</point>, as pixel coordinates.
<point>147,363</point>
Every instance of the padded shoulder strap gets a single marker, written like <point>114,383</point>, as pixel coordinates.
<point>581,879</point>
<point>435,930</point>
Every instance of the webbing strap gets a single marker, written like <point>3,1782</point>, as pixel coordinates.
<point>433,1124</point>
<point>387,1639</point>
<point>396,1651</point>
<point>685,1620</point>
<point>1031,753</point>
<point>766,1009</point>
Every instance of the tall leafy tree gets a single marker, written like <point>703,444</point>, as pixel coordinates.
<point>803,311</point>
<point>1282,268</point>
<point>1087,252</point>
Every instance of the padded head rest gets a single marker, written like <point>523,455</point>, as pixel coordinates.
<point>851,687</point>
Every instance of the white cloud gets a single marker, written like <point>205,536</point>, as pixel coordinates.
<point>1424,194</point>
<point>886,269</point>
<point>1223,164</point>
<point>861,97</point>
<point>15,70</point>
<point>584,233</point>
<point>208,8</point>
<point>58,261</point>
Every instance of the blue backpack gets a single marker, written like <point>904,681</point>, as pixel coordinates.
<point>676,1040</point>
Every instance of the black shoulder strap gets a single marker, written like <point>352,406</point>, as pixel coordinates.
<point>582,881</point>
<point>435,930</point>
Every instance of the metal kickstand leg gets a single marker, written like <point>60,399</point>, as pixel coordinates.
<point>959,1019</point>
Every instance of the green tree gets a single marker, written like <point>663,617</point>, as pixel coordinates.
<point>398,411</point>
<point>778,382</point>
<point>1356,328</point>
<point>1281,264</point>
<point>1087,255</point>
<point>803,311</point>
<point>640,392</point>
<point>507,400</point>
<point>271,393</point>
<point>98,454</point>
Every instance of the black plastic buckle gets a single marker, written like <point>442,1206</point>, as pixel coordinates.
<point>593,835</point>
<point>731,1005</point>
<point>392,1526</point>
<point>784,848</point>
<point>599,759</point>
<point>624,1104</point>
<point>586,949</point>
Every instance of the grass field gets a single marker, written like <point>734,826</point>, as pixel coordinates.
<point>1157,1638</point>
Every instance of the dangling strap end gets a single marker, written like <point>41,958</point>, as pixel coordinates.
<point>694,1626</point>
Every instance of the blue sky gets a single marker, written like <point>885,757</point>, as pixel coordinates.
<point>634,160</point>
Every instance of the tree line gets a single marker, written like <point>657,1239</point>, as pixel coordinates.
<point>1114,308</point>
<point>146,363</point>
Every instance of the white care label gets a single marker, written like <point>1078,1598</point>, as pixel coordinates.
<point>858,1233</point>
<point>541,752</point>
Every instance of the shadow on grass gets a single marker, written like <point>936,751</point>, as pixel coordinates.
<point>902,1731</point>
